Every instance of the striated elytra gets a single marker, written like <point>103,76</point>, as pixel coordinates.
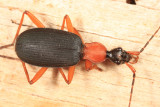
<point>48,47</point>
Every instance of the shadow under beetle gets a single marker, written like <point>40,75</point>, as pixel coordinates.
<point>48,47</point>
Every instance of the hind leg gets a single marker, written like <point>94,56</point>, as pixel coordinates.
<point>33,19</point>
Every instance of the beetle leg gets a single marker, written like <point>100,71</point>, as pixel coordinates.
<point>133,80</point>
<point>70,27</point>
<point>96,67</point>
<point>68,23</point>
<point>77,33</point>
<point>133,52</point>
<point>63,75</point>
<point>37,76</point>
<point>90,66</point>
<point>33,19</point>
<point>70,74</point>
<point>135,56</point>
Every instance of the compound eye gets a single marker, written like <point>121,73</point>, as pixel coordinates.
<point>117,62</point>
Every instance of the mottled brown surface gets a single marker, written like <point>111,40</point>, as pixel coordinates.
<point>110,22</point>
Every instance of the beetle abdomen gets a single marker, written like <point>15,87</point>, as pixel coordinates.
<point>49,47</point>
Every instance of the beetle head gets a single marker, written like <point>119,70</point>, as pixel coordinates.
<point>118,56</point>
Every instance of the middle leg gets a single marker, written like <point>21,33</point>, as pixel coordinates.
<point>70,74</point>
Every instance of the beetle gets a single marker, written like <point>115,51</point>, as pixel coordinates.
<point>48,47</point>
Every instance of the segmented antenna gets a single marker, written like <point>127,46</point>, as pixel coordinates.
<point>8,57</point>
<point>149,40</point>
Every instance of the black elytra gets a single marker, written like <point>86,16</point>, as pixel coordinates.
<point>48,47</point>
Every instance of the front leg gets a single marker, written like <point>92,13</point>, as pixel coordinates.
<point>135,56</point>
<point>89,66</point>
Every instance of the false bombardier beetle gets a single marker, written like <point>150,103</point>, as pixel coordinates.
<point>47,47</point>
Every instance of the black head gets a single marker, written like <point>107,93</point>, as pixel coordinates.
<point>118,56</point>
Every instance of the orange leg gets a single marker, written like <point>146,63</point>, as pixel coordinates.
<point>90,66</point>
<point>70,74</point>
<point>37,76</point>
<point>70,27</point>
<point>72,30</point>
<point>133,52</point>
<point>33,19</point>
<point>40,25</point>
<point>135,56</point>
<point>133,80</point>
